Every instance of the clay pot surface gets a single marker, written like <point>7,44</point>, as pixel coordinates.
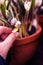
<point>40,18</point>
<point>40,21</point>
<point>23,49</point>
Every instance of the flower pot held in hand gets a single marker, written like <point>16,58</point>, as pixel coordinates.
<point>23,49</point>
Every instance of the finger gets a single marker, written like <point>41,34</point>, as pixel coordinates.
<point>4,29</point>
<point>10,39</point>
<point>4,36</point>
<point>7,44</point>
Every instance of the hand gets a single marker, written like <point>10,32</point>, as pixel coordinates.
<point>8,37</point>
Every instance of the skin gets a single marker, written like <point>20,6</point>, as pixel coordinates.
<point>8,38</point>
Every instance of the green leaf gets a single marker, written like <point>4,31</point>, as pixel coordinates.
<point>6,22</point>
<point>3,9</point>
<point>33,3</point>
<point>0,7</point>
<point>3,20</point>
<point>20,32</point>
<point>20,2</point>
<point>8,4</point>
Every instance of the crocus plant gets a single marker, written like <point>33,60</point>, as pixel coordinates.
<point>19,15</point>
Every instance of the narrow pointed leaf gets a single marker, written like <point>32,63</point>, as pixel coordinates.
<point>3,9</point>
<point>33,3</point>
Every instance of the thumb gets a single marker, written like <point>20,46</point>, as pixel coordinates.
<point>11,38</point>
<point>7,43</point>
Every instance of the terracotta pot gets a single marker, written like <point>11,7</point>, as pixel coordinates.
<point>23,49</point>
<point>40,20</point>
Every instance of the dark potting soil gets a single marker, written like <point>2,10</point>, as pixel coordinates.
<point>32,31</point>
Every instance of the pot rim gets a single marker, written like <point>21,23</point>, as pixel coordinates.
<point>29,39</point>
<point>32,34</point>
<point>40,18</point>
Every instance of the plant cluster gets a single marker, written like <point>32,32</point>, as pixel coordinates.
<point>19,15</point>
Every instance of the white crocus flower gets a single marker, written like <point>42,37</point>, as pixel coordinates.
<point>6,2</point>
<point>13,21</point>
<point>16,1</point>
<point>35,24</point>
<point>1,1</point>
<point>27,5</point>
<point>18,24</point>
<point>41,7</point>
<point>38,3</point>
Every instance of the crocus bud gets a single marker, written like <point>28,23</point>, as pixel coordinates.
<point>13,21</point>
<point>18,24</point>
<point>38,3</point>
<point>27,5</point>
<point>35,24</point>
<point>15,1</point>
<point>1,1</point>
<point>6,2</point>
